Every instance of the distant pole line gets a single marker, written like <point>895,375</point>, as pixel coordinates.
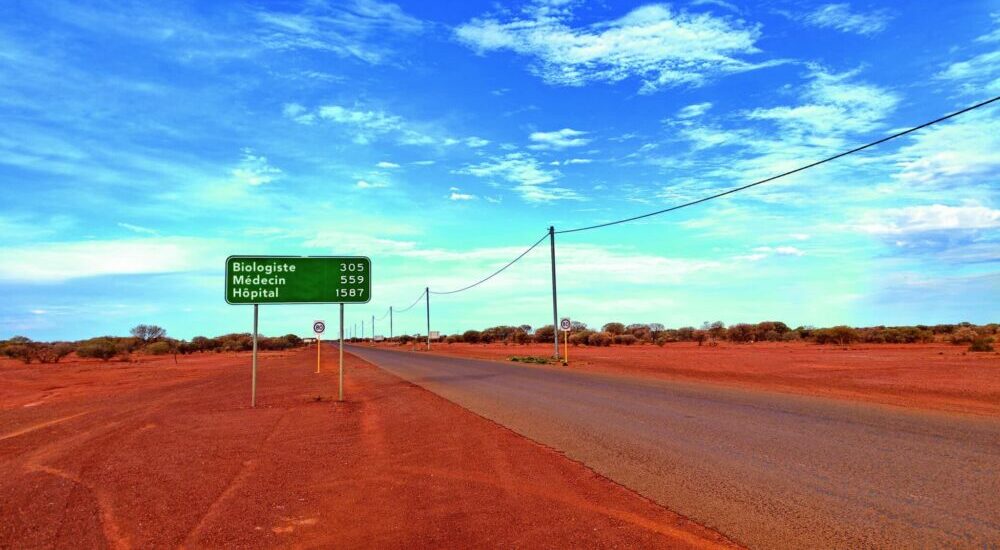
<point>551,233</point>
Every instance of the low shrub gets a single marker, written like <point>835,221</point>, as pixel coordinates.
<point>962,336</point>
<point>528,359</point>
<point>599,339</point>
<point>159,348</point>
<point>983,343</point>
<point>580,338</point>
<point>52,353</point>
<point>21,352</point>
<point>98,348</point>
<point>625,339</point>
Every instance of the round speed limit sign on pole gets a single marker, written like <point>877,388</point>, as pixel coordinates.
<point>565,325</point>
<point>318,328</point>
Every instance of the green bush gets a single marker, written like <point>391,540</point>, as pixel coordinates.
<point>159,348</point>
<point>471,336</point>
<point>52,353</point>
<point>963,335</point>
<point>599,339</point>
<point>842,335</point>
<point>625,339</point>
<point>984,343</point>
<point>98,348</point>
<point>580,338</point>
<point>21,352</point>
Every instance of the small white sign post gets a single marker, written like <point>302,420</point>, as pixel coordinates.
<point>565,325</point>
<point>318,328</point>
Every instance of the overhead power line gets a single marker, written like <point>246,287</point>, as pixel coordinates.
<point>497,272</point>
<point>788,173</point>
<point>415,302</point>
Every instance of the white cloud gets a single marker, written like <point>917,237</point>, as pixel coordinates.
<point>935,217</point>
<point>255,169</point>
<point>763,252</point>
<point>834,104</point>
<point>298,113</point>
<point>456,196</point>
<point>476,142</point>
<point>558,139</point>
<point>358,29</point>
<point>695,110</point>
<point>61,261</point>
<point>362,184</point>
<point>654,43</point>
<point>532,181</point>
<point>387,164</point>
<point>137,228</point>
<point>423,162</point>
<point>842,18</point>
<point>719,3</point>
<point>980,73</point>
<point>963,152</point>
<point>780,250</point>
<point>367,124</point>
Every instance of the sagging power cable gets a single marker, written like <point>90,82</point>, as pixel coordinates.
<point>415,302</point>
<point>788,173</point>
<point>497,272</point>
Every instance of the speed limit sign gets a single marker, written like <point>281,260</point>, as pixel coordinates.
<point>319,327</point>
<point>565,324</point>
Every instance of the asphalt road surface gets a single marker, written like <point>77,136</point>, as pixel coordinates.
<point>768,470</point>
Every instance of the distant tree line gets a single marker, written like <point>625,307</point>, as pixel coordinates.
<point>143,339</point>
<point>615,333</point>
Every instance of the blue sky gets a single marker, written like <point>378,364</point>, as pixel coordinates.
<point>142,143</point>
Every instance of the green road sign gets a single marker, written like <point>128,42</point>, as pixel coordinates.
<point>298,280</point>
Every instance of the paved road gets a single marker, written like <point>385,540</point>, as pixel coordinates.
<point>766,469</point>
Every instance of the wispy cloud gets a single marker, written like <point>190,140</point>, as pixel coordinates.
<point>558,139</point>
<point>255,170</point>
<point>935,217</point>
<point>138,228</point>
<point>695,110</point>
<point>347,29</point>
<point>654,43</point>
<point>364,184</point>
<point>387,164</point>
<point>842,18</point>
<point>61,261</point>
<point>979,74</point>
<point>457,195</point>
<point>532,181</point>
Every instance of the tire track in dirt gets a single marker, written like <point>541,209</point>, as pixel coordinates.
<point>40,426</point>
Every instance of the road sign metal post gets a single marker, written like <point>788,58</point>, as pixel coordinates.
<point>340,395</point>
<point>253,375</point>
<point>565,324</point>
<point>427,298</point>
<point>373,329</point>
<point>390,323</point>
<point>555,308</point>
<point>318,328</point>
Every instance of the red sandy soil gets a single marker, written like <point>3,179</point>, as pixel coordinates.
<point>154,454</point>
<point>927,376</point>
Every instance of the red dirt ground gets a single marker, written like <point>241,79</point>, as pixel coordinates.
<point>928,376</point>
<point>154,454</point>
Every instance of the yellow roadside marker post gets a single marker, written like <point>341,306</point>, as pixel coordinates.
<point>318,327</point>
<point>565,324</point>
